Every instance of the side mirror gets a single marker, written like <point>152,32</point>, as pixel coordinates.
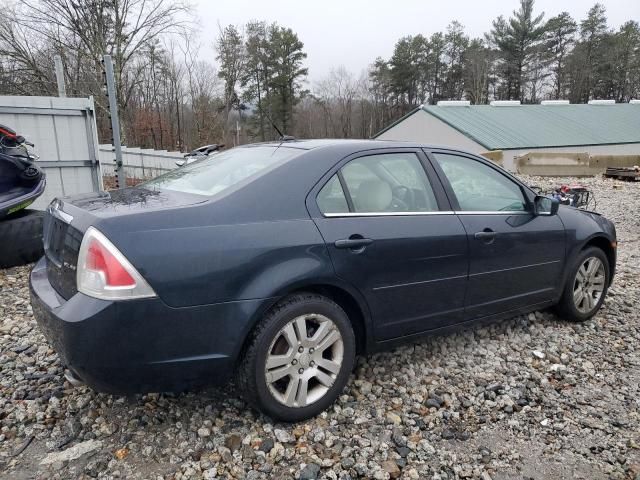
<point>545,205</point>
<point>180,162</point>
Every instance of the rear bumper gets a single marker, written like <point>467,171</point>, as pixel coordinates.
<point>141,345</point>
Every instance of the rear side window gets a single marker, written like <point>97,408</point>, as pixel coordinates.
<point>331,198</point>
<point>383,183</point>
<point>224,170</point>
<point>478,187</point>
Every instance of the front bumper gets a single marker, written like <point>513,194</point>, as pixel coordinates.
<point>137,346</point>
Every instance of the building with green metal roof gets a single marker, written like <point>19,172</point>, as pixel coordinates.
<point>512,130</point>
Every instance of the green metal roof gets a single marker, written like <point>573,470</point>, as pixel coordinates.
<point>531,126</point>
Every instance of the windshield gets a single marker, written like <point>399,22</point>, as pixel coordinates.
<point>224,170</point>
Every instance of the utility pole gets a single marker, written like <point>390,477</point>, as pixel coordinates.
<point>121,178</point>
<point>57,60</point>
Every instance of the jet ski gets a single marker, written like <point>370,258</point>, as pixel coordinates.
<point>21,180</point>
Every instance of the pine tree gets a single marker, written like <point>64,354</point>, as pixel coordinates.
<point>518,41</point>
<point>286,56</point>
<point>231,55</point>
<point>589,56</point>
<point>257,73</point>
<point>405,69</point>
<point>559,40</point>
<point>625,72</point>
<point>437,66</point>
<point>456,44</point>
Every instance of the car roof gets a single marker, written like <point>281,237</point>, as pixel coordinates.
<point>312,144</point>
<point>325,151</point>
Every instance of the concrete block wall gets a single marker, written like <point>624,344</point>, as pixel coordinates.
<point>552,164</point>
<point>601,162</point>
<point>494,156</point>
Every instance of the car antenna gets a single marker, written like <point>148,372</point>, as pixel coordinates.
<point>283,137</point>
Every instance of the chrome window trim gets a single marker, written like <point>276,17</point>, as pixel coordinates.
<point>409,214</point>
<point>386,214</point>
<point>498,212</point>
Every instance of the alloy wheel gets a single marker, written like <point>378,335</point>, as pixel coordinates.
<point>304,360</point>
<point>589,285</point>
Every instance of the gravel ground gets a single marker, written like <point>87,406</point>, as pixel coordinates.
<point>531,397</point>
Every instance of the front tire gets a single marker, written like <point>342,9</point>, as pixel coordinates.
<point>298,359</point>
<point>586,286</point>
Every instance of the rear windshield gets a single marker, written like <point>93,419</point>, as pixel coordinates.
<point>224,170</point>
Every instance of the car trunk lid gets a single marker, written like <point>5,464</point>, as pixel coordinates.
<point>68,218</point>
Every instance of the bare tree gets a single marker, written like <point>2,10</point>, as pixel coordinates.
<point>477,68</point>
<point>204,91</point>
<point>24,58</point>
<point>337,95</point>
<point>83,31</point>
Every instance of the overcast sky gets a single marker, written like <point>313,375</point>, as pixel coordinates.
<point>354,32</point>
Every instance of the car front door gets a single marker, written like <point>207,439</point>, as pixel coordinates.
<point>391,233</point>
<point>516,256</point>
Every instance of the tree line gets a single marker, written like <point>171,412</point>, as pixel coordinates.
<point>522,57</point>
<point>258,87</point>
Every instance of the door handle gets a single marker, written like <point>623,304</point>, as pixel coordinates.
<point>353,243</point>
<point>486,236</point>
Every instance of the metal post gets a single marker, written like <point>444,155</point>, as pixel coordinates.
<point>115,123</point>
<point>57,60</point>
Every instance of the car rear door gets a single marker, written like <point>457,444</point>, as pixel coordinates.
<point>516,257</point>
<point>391,233</point>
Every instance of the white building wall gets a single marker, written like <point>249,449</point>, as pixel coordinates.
<point>422,127</point>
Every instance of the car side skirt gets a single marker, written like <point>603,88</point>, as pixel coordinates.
<point>476,322</point>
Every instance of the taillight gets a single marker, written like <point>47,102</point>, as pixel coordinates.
<point>103,272</point>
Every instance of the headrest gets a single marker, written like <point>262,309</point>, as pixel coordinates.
<point>373,196</point>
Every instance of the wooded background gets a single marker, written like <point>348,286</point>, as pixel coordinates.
<point>169,98</point>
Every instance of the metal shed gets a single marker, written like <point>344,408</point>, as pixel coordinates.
<point>65,137</point>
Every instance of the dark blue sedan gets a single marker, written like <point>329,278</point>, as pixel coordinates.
<point>275,264</point>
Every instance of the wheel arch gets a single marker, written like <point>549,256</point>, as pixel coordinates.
<point>349,304</point>
<point>346,297</point>
<point>604,244</point>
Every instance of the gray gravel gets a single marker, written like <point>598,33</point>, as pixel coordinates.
<point>531,397</point>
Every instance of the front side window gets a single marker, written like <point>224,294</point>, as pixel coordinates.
<point>479,187</point>
<point>385,183</point>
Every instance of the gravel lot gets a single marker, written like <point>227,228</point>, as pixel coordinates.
<point>531,397</point>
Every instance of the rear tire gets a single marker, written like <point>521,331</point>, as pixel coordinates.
<point>289,375</point>
<point>21,238</point>
<point>586,286</point>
